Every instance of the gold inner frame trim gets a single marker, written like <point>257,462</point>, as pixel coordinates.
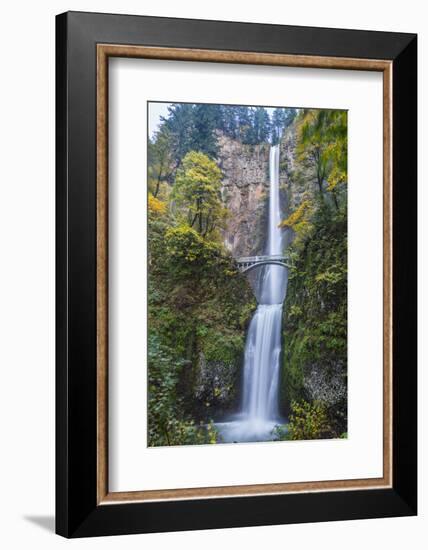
<point>104,51</point>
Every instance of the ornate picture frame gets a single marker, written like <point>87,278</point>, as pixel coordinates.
<point>84,504</point>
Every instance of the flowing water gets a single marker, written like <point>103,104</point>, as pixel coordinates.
<point>260,406</point>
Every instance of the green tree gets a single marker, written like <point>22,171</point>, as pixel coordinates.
<point>197,193</point>
<point>190,253</point>
<point>322,146</point>
<point>159,159</point>
<point>207,119</point>
<point>244,123</point>
<point>230,121</point>
<point>180,125</point>
<point>261,125</point>
<point>281,119</point>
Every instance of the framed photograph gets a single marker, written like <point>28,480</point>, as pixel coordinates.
<point>236,274</point>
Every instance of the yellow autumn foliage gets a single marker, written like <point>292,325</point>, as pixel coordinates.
<point>297,219</point>
<point>156,206</point>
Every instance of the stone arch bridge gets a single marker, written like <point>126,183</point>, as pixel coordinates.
<point>247,263</point>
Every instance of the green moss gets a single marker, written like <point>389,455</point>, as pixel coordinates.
<point>315,313</point>
<point>219,345</point>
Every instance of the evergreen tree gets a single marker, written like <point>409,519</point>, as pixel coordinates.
<point>230,121</point>
<point>290,115</point>
<point>281,119</point>
<point>218,113</point>
<point>261,125</point>
<point>180,124</point>
<point>245,123</point>
<point>206,120</point>
<point>159,159</point>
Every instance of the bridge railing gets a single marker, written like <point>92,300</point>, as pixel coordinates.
<point>254,259</point>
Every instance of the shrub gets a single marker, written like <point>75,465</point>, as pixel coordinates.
<point>167,426</point>
<point>308,421</point>
<point>156,207</point>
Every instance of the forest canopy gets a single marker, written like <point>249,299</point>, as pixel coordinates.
<point>195,127</point>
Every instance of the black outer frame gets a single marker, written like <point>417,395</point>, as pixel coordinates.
<point>77,513</point>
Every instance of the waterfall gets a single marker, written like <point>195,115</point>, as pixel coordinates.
<point>274,282</point>
<point>263,345</point>
<point>261,366</point>
<point>260,405</point>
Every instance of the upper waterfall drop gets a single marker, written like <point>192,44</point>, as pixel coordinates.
<point>274,281</point>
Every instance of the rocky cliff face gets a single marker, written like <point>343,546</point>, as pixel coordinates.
<point>289,172</point>
<point>245,190</point>
<point>296,178</point>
